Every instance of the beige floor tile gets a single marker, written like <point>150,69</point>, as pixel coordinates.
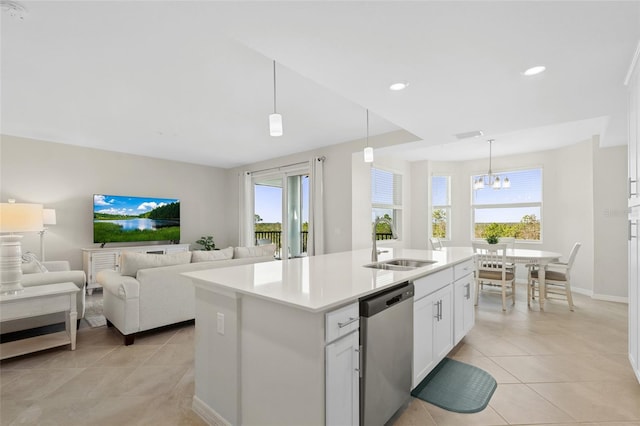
<point>83,356</point>
<point>38,383</point>
<point>156,337</point>
<point>10,410</point>
<point>415,414</point>
<point>95,382</point>
<point>517,404</point>
<point>554,368</point>
<point>127,356</point>
<point>495,347</point>
<point>464,351</point>
<point>184,335</point>
<point>170,411</point>
<point>172,354</point>
<point>151,381</point>
<point>442,417</point>
<point>594,401</point>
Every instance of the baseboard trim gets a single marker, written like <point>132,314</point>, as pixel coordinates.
<point>207,413</point>
<point>607,298</point>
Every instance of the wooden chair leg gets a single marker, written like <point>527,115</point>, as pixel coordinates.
<point>504,298</point>
<point>567,289</point>
<point>513,291</point>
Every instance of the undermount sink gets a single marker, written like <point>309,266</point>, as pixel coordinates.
<point>400,264</point>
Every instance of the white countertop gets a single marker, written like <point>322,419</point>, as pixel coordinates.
<point>320,283</point>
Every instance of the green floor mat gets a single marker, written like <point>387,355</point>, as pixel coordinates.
<point>456,386</point>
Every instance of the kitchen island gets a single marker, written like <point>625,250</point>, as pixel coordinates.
<point>261,333</point>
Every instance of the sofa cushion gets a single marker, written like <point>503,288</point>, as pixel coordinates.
<point>259,251</point>
<point>131,262</point>
<point>206,256</point>
<point>31,264</point>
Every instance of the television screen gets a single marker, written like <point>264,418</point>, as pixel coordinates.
<point>127,219</point>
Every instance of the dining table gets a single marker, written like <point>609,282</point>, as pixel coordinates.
<point>539,258</point>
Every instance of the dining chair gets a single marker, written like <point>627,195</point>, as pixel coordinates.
<point>436,244</point>
<point>491,268</point>
<point>511,244</point>
<point>557,279</point>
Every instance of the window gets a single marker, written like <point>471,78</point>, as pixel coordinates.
<point>386,201</point>
<point>441,207</point>
<point>513,212</point>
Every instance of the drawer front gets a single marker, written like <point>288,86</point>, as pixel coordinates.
<point>342,321</point>
<point>463,268</point>
<point>432,282</point>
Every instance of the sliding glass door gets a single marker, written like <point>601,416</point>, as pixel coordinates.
<point>281,210</point>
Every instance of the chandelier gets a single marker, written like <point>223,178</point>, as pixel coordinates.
<point>491,180</point>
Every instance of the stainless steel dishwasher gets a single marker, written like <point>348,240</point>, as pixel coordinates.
<point>386,336</point>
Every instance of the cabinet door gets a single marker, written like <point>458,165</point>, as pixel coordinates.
<point>443,324</point>
<point>634,297</point>
<point>464,313</point>
<point>424,313</point>
<point>343,381</point>
<point>634,136</point>
<point>104,260</point>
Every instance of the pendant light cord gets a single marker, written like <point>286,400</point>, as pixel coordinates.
<point>274,86</point>
<point>367,127</point>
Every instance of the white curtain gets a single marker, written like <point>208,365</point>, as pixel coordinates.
<point>245,210</point>
<point>315,245</point>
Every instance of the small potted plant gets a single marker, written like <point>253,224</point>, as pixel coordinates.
<point>491,233</point>
<point>207,242</point>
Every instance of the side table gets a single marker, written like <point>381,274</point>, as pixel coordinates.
<point>35,301</point>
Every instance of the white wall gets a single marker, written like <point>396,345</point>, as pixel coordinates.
<point>338,192</point>
<point>610,223</point>
<point>65,177</point>
<point>580,182</point>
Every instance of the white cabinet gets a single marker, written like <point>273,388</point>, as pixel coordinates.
<point>463,296</point>
<point>95,260</point>
<point>633,83</point>
<point>342,361</point>
<point>432,331</point>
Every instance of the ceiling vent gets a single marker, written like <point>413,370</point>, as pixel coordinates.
<point>467,135</point>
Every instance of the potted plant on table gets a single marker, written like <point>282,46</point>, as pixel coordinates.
<point>491,233</point>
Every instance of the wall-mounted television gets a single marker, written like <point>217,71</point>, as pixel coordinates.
<point>118,218</point>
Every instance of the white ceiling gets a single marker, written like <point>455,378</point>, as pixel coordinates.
<point>192,81</point>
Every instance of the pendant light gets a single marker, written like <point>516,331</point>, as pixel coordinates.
<point>368,151</point>
<point>275,119</point>
<point>491,180</point>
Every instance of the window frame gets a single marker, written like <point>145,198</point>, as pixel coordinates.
<point>538,204</point>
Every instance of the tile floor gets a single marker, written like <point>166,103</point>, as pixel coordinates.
<point>555,368</point>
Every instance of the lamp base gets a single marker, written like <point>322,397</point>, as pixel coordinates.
<point>10,264</point>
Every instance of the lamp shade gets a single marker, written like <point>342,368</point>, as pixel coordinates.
<point>49,216</point>
<point>21,217</point>
<point>368,155</point>
<point>275,124</point>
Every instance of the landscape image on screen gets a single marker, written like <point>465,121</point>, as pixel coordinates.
<point>127,219</point>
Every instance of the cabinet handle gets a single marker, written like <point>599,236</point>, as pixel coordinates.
<point>632,223</point>
<point>468,295</point>
<point>359,369</point>
<point>631,182</point>
<point>351,321</point>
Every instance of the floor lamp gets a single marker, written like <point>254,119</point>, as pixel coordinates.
<point>48,218</point>
<point>15,217</point>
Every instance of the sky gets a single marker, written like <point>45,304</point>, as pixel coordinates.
<point>268,202</point>
<point>130,206</point>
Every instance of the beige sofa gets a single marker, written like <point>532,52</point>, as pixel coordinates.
<point>149,291</point>
<point>40,273</point>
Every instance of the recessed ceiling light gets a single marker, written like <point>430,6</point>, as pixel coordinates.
<point>534,70</point>
<point>401,85</point>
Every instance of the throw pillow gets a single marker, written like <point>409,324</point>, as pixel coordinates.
<point>259,251</point>
<point>31,264</point>
<point>131,262</point>
<point>207,256</point>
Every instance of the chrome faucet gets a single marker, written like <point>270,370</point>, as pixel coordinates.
<point>394,235</point>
